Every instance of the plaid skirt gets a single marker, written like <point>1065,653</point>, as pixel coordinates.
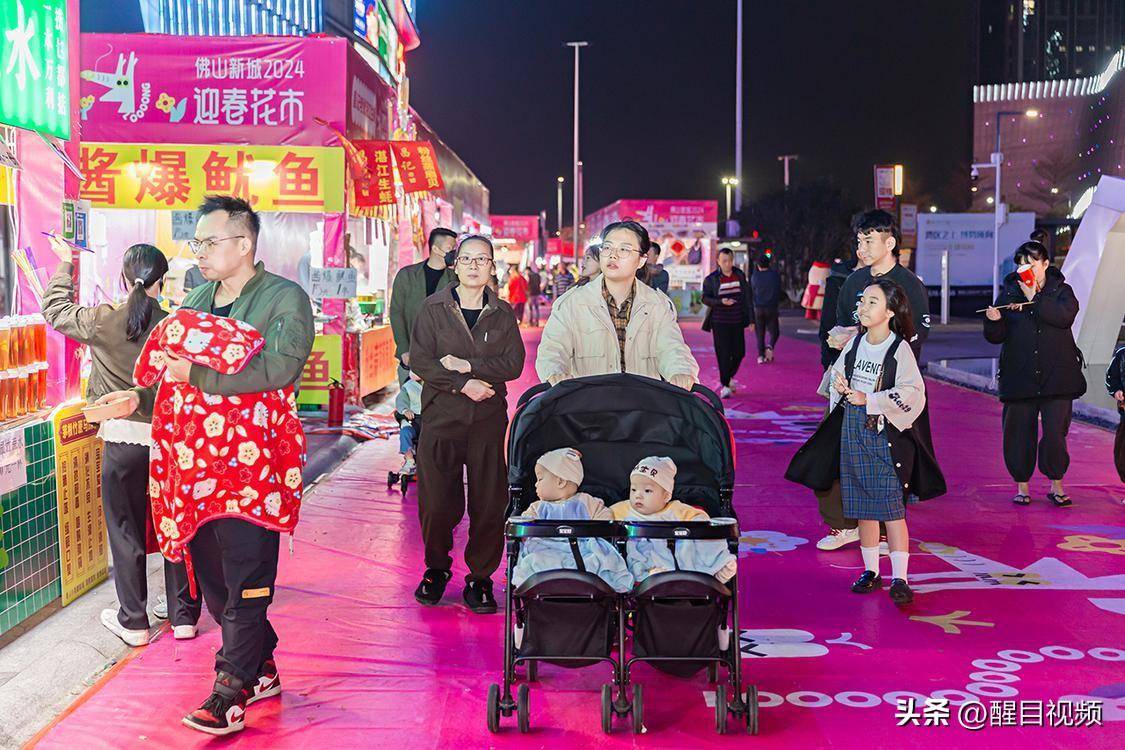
<point>869,486</point>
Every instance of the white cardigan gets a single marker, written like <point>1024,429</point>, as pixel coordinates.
<point>579,339</point>
<point>902,402</point>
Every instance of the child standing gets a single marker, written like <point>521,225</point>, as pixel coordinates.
<point>1115,384</point>
<point>408,414</point>
<point>877,384</point>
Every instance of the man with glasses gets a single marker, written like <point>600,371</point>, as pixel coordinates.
<point>235,556</point>
<point>615,324</point>
<point>465,346</point>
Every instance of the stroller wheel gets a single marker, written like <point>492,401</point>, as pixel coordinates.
<point>638,710</point>
<point>523,708</point>
<point>607,708</point>
<point>494,708</point>
<point>712,673</point>
<point>721,709</point>
<point>533,671</point>
<point>752,710</point>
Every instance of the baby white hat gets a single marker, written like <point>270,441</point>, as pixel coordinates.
<point>564,463</point>
<point>659,469</point>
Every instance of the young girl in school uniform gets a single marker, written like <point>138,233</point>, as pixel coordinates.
<point>883,464</point>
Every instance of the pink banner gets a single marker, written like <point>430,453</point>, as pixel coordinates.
<point>154,88</point>
<point>518,228</point>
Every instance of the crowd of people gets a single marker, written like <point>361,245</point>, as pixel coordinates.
<point>458,344</point>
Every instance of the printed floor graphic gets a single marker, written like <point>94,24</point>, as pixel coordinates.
<point>1021,609</point>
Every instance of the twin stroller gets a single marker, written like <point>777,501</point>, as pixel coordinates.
<point>680,622</point>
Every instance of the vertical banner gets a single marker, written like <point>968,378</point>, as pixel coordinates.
<point>377,187</point>
<point>417,166</point>
<point>908,224</point>
<point>885,187</point>
<point>378,367</point>
<point>83,559</point>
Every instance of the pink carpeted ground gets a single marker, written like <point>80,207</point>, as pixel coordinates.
<point>1013,604</point>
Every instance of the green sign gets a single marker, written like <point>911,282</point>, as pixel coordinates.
<point>34,66</point>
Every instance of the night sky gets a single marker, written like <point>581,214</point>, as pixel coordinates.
<point>843,84</point>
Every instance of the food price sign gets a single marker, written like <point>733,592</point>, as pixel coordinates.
<point>34,66</point>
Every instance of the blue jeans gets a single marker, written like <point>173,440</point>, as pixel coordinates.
<point>406,438</point>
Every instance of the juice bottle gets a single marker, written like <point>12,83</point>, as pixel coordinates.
<point>21,392</point>
<point>14,353</point>
<point>41,385</point>
<point>39,336</point>
<point>5,341</point>
<point>27,341</point>
<point>6,383</point>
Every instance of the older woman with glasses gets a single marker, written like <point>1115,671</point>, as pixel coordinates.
<point>465,346</point>
<point>614,324</point>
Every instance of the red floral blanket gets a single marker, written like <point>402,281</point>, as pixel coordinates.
<point>217,456</point>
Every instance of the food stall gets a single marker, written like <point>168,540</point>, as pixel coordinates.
<point>52,533</point>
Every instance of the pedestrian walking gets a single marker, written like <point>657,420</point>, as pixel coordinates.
<point>652,272</point>
<point>1115,384</point>
<point>591,266</point>
<point>234,552</point>
<point>517,293</point>
<point>726,292</point>
<point>412,285</point>
<point>534,294</point>
<point>115,336</point>
<point>1040,369</point>
<point>615,323</point>
<point>866,444</point>
<point>562,281</point>
<point>466,347</point>
<point>765,283</point>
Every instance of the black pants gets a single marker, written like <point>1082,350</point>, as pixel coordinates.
<point>518,308</point>
<point>477,451</point>
<point>125,502</point>
<point>533,303</point>
<point>1119,449</point>
<point>730,348</point>
<point>765,321</point>
<point>236,564</point>
<point>1022,441</point>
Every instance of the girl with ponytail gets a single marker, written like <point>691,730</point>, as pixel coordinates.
<point>115,335</point>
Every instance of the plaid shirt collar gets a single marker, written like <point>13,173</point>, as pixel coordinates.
<point>620,316</point>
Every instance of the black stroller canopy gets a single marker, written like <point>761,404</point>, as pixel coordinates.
<point>615,421</point>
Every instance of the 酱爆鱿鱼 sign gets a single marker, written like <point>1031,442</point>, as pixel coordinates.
<point>301,179</point>
<point>34,68</point>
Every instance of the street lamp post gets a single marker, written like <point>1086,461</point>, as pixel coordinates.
<point>996,161</point>
<point>577,199</point>
<point>558,228</point>
<point>737,110</point>
<point>728,183</point>
<point>787,158</point>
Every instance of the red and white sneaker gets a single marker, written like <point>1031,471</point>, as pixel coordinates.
<point>219,715</point>
<point>267,686</point>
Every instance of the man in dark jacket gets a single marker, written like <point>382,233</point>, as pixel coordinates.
<point>412,285</point>
<point>534,294</point>
<point>1040,370</point>
<point>652,273</point>
<point>727,295</point>
<point>466,346</point>
<point>832,286</point>
<point>766,286</point>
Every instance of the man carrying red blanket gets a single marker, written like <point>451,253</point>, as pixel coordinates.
<point>235,556</point>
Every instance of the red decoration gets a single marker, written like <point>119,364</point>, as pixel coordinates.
<point>376,185</point>
<point>417,166</point>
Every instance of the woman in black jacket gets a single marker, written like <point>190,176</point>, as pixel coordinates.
<point>1040,370</point>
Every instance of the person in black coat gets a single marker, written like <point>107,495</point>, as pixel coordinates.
<point>839,273</point>
<point>765,286</point>
<point>726,292</point>
<point>1040,370</point>
<point>1115,384</point>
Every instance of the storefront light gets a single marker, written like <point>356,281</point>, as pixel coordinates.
<point>262,170</point>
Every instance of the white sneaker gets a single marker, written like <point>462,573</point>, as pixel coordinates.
<point>884,549</point>
<point>184,632</point>
<point>132,638</point>
<point>408,467</point>
<point>761,360</point>
<point>725,392</point>
<point>160,609</point>
<point>838,538</point>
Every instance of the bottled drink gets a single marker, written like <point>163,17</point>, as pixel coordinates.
<point>27,341</point>
<point>21,392</point>
<point>41,385</point>
<point>7,384</point>
<point>39,336</point>
<point>5,342</point>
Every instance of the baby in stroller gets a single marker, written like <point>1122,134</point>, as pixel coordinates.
<point>651,484</point>
<point>558,474</point>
